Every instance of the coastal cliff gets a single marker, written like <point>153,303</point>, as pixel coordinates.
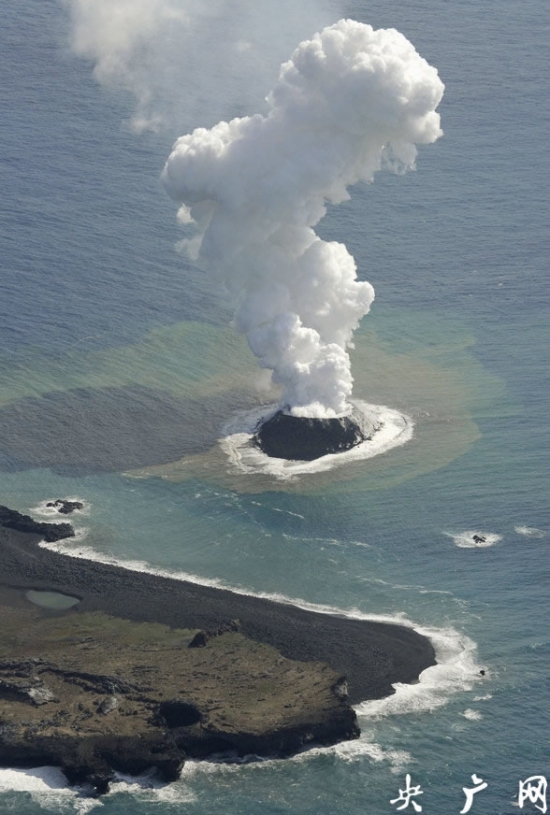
<point>93,693</point>
<point>145,671</point>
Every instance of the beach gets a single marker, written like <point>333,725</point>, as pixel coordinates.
<point>372,655</point>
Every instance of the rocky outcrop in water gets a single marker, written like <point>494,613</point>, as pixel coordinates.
<point>298,438</point>
<point>65,507</point>
<point>10,519</point>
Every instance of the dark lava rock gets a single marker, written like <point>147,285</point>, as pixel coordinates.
<point>298,438</point>
<point>177,713</point>
<point>200,640</point>
<point>65,507</point>
<point>237,696</point>
<point>11,519</point>
<point>274,687</point>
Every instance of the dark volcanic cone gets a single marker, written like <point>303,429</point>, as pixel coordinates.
<point>298,438</point>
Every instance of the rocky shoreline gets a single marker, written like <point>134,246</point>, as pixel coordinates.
<point>147,670</point>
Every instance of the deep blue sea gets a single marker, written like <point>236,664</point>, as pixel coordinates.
<point>118,367</point>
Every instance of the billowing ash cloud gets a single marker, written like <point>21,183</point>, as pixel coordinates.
<point>349,101</point>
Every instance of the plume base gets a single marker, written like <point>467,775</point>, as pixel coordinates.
<point>300,438</point>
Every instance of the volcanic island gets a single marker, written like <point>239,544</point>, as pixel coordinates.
<point>283,435</point>
<point>144,671</point>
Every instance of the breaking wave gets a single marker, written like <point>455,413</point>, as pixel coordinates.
<point>395,429</point>
<point>456,669</point>
<point>44,510</point>
<point>529,531</point>
<point>474,539</point>
<point>49,787</point>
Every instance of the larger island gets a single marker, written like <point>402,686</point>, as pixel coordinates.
<point>144,671</point>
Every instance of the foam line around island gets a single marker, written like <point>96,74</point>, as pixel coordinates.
<point>456,667</point>
<point>372,654</point>
<point>391,667</point>
<point>394,430</point>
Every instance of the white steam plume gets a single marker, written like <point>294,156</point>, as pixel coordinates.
<point>186,61</point>
<point>349,101</point>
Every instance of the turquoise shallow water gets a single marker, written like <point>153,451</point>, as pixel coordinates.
<point>94,297</point>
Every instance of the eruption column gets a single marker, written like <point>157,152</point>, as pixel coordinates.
<point>350,101</point>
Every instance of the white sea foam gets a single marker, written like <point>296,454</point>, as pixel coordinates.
<point>288,512</point>
<point>348,751</point>
<point>364,746</point>
<point>395,429</point>
<point>67,547</point>
<point>465,540</point>
<point>40,779</point>
<point>72,548</point>
<point>455,671</point>
<point>530,531</point>
<point>472,715</point>
<point>326,541</point>
<point>49,788</point>
<point>43,510</point>
<point>80,534</point>
<point>278,509</point>
<point>148,787</point>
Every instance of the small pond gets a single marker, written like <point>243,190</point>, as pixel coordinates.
<point>51,599</point>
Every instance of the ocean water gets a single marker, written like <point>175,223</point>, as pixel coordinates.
<point>119,368</point>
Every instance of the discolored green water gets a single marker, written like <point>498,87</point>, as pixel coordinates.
<point>118,367</point>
